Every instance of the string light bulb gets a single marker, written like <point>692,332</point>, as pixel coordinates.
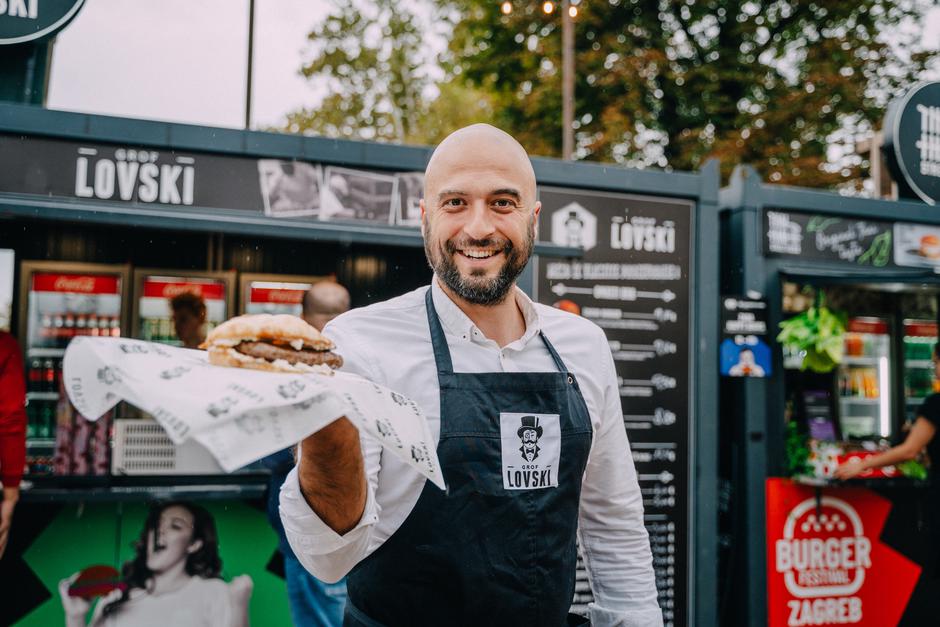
<point>548,7</point>
<point>573,11</point>
<point>506,7</point>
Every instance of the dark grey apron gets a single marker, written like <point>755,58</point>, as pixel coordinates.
<point>482,554</point>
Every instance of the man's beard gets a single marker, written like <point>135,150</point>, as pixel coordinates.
<point>476,289</point>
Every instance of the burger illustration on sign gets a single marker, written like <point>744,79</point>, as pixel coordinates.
<point>824,551</point>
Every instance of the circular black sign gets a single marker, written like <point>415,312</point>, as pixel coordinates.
<point>28,20</point>
<point>912,140</point>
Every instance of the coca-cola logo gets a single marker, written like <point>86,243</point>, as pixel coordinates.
<point>824,551</point>
<point>170,290</point>
<point>285,296</point>
<point>75,284</point>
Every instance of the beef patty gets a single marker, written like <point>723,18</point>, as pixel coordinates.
<point>306,356</point>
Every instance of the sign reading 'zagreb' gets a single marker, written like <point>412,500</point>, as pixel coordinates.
<point>826,563</point>
<point>28,20</point>
<point>912,141</point>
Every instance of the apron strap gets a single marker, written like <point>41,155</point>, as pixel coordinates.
<point>555,356</point>
<point>442,352</point>
<point>438,341</point>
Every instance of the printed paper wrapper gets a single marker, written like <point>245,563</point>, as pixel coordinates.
<point>240,415</point>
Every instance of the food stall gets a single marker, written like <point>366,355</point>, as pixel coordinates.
<point>851,288</point>
<point>248,220</point>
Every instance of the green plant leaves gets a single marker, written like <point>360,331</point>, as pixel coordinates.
<point>817,334</point>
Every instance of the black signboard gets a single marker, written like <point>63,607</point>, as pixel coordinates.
<point>29,20</point>
<point>828,238</point>
<point>912,141</point>
<point>128,174</point>
<point>633,282</point>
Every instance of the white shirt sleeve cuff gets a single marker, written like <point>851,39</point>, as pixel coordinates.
<point>641,617</point>
<point>306,532</point>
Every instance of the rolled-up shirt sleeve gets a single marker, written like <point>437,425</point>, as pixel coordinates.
<point>328,555</point>
<point>614,540</point>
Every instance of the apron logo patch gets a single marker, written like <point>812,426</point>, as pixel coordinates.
<point>531,449</point>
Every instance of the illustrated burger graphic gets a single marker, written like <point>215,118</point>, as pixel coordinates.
<point>277,343</point>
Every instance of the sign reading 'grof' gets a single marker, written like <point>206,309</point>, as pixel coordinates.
<point>29,20</point>
<point>912,141</point>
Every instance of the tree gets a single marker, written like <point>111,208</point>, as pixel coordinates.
<point>783,85</point>
<point>376,66</point>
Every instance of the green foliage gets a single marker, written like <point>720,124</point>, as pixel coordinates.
<point>674,82</point>
<point>374,61</point>
<point>913,469</point>
<point>817,334</point>
<point>797,453</point>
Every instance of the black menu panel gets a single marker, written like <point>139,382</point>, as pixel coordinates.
<point>633,282</point>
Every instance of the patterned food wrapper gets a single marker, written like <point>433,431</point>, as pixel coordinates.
<point>240,415</point>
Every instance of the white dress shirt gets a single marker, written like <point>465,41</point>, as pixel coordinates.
<point>389,343</point>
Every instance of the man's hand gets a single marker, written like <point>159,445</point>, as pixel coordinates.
<point>10,497</point>
<point>332,475</point>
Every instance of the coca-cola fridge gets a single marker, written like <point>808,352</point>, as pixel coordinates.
<point>154,289</point>
<point>274,293</point>
<point>58,302</point>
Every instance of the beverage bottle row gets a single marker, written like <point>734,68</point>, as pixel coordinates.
<point>917,347</point>
<point>65,326</point>
<point>40,419</point>
<point>157,329</point>
<point>44,375</point>
<point>859,382</point>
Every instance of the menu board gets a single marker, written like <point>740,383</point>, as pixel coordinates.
<point>633,282</point>
<point>828,238</point>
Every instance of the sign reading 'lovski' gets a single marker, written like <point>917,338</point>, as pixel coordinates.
<point>825,562</point>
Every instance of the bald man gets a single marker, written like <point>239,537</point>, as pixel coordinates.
<point>524,404</point>
<point>323,302</point>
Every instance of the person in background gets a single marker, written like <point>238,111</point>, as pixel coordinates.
<point>312,602</point>
<point>921,435</point>
<point>12,430</point>
<point>189,318</point>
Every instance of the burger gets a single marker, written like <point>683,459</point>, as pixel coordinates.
<point>930,246</point>
<point>95,581</point>
<point>277,343</point>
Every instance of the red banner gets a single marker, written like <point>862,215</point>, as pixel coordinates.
<point>825,562</point>
<point>168,288</point>
<point>867,325</point>
<point>76,283</point>
<point>278,295</point>
<point>920,329</point>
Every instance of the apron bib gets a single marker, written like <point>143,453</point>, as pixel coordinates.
<point>498,548</point>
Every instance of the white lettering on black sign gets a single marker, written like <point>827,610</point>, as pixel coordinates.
<point>134,175</point>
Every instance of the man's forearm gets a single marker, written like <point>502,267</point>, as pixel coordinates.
<point>332,475</point>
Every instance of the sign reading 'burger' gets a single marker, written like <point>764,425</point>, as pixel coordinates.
<point>825,562</point>
<point>912,141</point>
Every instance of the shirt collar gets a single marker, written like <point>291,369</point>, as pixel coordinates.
<point>456,322</point>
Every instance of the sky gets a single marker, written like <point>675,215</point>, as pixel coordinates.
<point>186,61</point>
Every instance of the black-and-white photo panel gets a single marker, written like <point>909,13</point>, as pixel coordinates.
<point>410,192</point>
<point>290,188</point>
<point>358,195</point>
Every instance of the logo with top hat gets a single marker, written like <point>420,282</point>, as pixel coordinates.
<point>529,434</point>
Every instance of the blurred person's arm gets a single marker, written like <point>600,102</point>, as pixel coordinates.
<point>917,438</point>
<point>12,431</point>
